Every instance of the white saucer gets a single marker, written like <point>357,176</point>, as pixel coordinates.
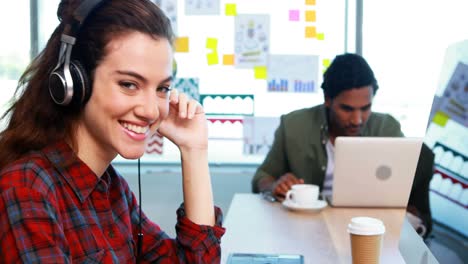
<point>315,207</point>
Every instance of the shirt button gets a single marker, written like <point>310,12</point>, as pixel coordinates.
<point>323,168</point>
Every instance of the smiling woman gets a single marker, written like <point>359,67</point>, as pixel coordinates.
<point>101,88</point>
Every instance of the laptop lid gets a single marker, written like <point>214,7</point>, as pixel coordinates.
<point>374,171</point>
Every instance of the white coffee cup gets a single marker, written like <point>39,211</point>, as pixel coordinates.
<point>366,239</point>
<point>303,194</point>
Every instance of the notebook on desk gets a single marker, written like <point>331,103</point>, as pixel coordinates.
<point>374,171</point>
<point>247,258</point>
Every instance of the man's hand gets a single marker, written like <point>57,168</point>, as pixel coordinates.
<point>283,185</point>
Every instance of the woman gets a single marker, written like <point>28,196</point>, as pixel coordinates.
<point>61,201</point>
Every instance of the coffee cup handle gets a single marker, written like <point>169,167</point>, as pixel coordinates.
<point>289,195</point>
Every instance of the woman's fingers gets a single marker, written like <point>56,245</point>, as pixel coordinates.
<point>174,96</point>
<point>192,108</point>
<point>187,107</point>
<point>183,101</point>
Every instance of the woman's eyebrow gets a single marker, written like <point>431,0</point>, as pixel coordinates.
<point>141,78</point>
<point>133,74</point>
<point>168,79</point>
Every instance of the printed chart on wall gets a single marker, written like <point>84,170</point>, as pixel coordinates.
<point>251,40</point>
<point>292,73</point>
<point>259,134</point>
<point>455,97</point>
<point>201,7</point>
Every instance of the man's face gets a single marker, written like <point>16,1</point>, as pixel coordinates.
<point>349,111</point>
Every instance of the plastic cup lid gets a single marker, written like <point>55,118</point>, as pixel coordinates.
<point>366,226</point>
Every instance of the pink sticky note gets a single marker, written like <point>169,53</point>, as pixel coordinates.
<point>294,15</point>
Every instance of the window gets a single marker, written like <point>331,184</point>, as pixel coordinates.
<point>405,42</point>
<point>14,47</point>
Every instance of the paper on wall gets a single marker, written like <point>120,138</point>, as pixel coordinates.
<point>252,40</point>
<point>202,7</point>
<point>169,7</point>
<point>293,73</point>
<point>259,134</point>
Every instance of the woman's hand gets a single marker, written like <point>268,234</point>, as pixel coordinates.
<point>186,127</point>
<point>186,124</point>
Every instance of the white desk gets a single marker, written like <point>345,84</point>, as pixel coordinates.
<point>254,225</point>
<point>412,247</point>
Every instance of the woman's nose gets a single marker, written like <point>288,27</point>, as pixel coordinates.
<point>148,108</point>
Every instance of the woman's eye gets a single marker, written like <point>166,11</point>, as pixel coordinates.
<point>128,85</point>
<point>164,89</point>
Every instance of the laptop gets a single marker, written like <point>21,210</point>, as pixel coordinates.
<point>248,258</point>
<point>374,171</point>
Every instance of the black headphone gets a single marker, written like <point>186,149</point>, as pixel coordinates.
<point>68,82</point>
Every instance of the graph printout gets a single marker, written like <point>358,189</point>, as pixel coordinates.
<point>292,73</point>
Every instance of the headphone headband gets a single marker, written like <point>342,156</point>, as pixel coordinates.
<point>82,12</point>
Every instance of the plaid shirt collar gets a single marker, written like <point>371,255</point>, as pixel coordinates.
<point>76,173</point>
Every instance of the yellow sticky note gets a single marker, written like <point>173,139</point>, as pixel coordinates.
<point>310,2</point>
<point>310,32</point>
<point>212,43</point>
<point>260,72</point>
<point>326,62</point>
<point>320,36</point>
<point>212,58</point>
<point>182,44</point>
<point>228,59</point>
<point>310,16</point>
<point>440,118</point>
<point>231,9</point>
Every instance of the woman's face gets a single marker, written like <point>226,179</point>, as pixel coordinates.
<point>130,97</point>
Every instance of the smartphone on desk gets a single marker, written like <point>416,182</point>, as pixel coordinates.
<point>253,258</point>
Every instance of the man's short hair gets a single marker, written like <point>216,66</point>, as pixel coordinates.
<point>346,72</point>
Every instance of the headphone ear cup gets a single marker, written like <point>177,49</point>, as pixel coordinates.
<point>81,84</point>
<point>58,88</point>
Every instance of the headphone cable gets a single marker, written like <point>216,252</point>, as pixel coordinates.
<point>140,235</point>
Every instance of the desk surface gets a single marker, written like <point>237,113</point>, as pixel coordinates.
<point>257,226</point>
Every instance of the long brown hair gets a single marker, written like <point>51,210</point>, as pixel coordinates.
<point>34,120</point>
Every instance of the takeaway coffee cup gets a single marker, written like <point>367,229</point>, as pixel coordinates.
<point>366,235</point>
<point>303,194</point>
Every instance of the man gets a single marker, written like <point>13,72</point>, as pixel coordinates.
<point>303,148</point>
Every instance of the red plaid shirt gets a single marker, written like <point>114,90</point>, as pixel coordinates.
<point>54,209</point>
